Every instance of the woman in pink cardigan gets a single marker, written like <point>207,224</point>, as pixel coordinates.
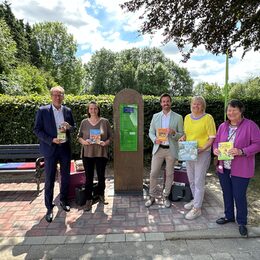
<point>234,175</point>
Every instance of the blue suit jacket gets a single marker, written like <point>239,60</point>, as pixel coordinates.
<point>45,128</point>
<point>176,123</point>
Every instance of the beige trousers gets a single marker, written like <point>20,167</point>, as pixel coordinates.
<point>157,160</point>
<point>196,171</point>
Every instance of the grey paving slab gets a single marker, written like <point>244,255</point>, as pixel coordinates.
<point>135,237</point>
<point>254,230</point>
<point>133,249</point>
<point>225,245</point>
<point>255,253</point>
<point>79,239</point>
<point>39,252</point>
<point>35,240</point>
<point>96,250</point>
<point>56,240</point>
<point>201,246</point>
<point>180,257</point>
<point>13,252</point>
<point>243,256</point>
<point>110,238</point>
<point>201,257</point>
<point>178,247</point>
<point>228,232</point>
<point>154,237</point>
<point>249,243</point>
<point>73,251</point>
<point>222,256</point>
<point>95,238</point>
<point>153,248</point>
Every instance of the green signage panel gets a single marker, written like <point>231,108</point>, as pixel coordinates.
<point>128,127</point>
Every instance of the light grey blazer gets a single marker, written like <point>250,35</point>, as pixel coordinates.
<point>176,123</point>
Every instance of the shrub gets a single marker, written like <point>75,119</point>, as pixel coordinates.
<point>18,114</point>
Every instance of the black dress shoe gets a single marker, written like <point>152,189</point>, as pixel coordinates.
<point>65,206</point>
<point>102,199</point>
<point>49,216</point>
<point>222,221</point>
<point>243,230</point>
<point>53,205</point>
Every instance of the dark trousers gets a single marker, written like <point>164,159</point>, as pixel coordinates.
<point>89,165</point>
<point>234,189</point>
<point>63,156</point>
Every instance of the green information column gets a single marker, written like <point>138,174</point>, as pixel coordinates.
<point>128,113</point>
<point>128,127</point>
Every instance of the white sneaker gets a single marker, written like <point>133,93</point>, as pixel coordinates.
<point>167,202</point>
<point>193,213</point>
<point>149,202</point>
<point>189,205</point>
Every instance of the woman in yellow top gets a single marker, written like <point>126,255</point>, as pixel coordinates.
<point>198,126</point>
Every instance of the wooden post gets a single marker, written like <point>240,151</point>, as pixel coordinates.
<point>128,142</point>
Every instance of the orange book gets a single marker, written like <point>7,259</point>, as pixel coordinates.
<point>162,134</point>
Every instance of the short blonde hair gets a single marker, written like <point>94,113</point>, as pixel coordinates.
<point>57,88</point>
<point>199,99</point>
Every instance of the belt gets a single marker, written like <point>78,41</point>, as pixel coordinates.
<point>164,146</point>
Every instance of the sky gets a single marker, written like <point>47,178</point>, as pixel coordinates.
<point>97,24</point>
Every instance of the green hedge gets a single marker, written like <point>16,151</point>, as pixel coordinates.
<point>18,113</point>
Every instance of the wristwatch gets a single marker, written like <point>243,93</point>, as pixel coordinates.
<point>242,152</point>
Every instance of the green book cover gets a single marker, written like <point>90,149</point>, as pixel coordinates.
<point>223,148</point>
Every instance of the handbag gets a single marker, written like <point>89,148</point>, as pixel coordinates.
<point>79,165</point>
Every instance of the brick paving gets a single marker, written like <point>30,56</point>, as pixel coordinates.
<point>22,214</point>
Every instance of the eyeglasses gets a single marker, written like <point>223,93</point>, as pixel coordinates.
<point>57,95</point>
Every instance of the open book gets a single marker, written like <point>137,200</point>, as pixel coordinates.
<point>95,136</point>
<point>188,150</point>
<point>223,148</point>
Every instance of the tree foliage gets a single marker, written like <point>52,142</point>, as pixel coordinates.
<point>7,48</point>
<point>57,50</point>
<point>47,47</point>
<point>219,25</point>
<point>17,30</point>
<point>248,89</point>
<point>146,70</point>
<point>27,79</point>
<point>208,90</point>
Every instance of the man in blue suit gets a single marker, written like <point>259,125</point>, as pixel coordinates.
<point>53,125</point>
<point>165,148</point>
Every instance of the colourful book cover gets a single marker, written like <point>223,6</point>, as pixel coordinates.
<point>188,150</point>
<point>95,136</point>
<point>162,134</point>
<point>223,148</point>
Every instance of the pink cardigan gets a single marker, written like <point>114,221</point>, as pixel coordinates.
<point>248,139</point>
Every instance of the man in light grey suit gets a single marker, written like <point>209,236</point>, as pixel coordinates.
<point>172,124</point>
